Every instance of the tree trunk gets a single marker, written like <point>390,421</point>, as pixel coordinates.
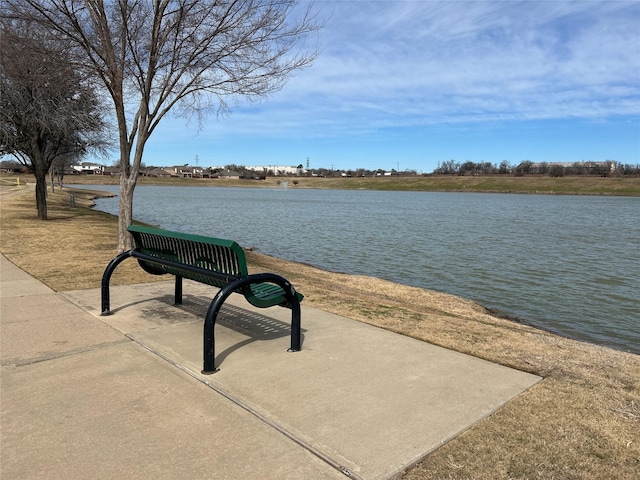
<point>125,217</point>
<point>41,192</point>
<point>128,179</point>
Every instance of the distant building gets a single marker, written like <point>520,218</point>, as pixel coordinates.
<point>184,171</point>
<point>228,175</point>
<point>111,171</point>
<point>156,173</point>
<point>12,166</point>
<point>278,169</point>
<point>88,168</point>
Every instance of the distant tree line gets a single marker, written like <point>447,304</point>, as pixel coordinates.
<point>553,169</point>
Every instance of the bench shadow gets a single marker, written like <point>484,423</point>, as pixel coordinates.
<point>254,325</point>
<point>150,312</point>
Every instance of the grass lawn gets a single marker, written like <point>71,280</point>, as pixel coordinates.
<point>580,422</point>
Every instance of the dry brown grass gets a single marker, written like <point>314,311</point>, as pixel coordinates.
<point>580,422</point>
<point>64,251</point>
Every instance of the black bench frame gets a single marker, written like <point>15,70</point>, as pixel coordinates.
<point>260,289</point>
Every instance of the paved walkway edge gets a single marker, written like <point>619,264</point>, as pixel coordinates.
<point>357,401</point>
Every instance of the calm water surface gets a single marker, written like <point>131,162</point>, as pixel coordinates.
<point>567,264</point>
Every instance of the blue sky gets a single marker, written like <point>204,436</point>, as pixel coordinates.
<point>408,84</point>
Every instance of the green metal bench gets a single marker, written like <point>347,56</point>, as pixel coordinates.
<point>212,261</point>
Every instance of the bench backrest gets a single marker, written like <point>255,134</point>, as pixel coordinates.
<point>224,256</point>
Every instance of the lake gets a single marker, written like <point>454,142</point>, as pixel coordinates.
<point>567,264</point>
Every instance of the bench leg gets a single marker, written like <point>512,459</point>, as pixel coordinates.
<point>178,290</point>
<point>296,341</point>
<point>209,347</point>
<point>106,278</point>
<point>209,339</point>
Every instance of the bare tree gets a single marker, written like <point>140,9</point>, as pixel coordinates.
<point>59,166</point>
<point>190,57</point>
<point>47,109</point>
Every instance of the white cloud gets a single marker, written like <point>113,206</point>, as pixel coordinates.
<point>393,72</point>
<point>425,81</point>
<point>398,63</point>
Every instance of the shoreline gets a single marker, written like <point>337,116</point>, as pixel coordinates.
<point>580,421</point>
<point>536,185</point>
<point>492,312</point>
<point>86,200</point>
<point>574,331</point>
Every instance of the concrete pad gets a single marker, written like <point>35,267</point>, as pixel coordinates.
<point>17,283</point>
<point>80,400</point>
<point>118,412</point>
<point>35,323</point>
<point>372,401</point>
<point>38,327</point>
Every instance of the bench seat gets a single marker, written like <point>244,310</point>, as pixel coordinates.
<point>211,261</point>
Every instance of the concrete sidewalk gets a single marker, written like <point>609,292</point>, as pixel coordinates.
<point>122,396</point>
